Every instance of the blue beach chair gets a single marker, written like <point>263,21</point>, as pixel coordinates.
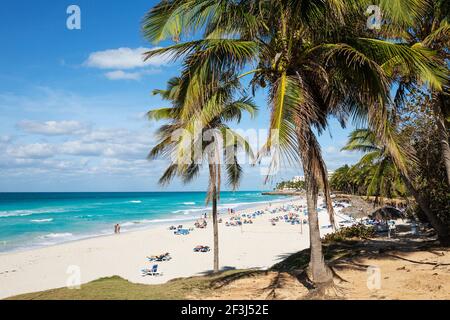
<point>151,272</point>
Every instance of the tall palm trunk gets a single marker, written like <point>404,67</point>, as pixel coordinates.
<point>213,196</point>
<point>438,106</point>
<point>321,274</point>
<point>310,156</point>
<point>216,230</point>
<point>442,229</point>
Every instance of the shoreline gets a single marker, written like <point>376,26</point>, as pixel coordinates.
<point>125,254</point>
<point>150,225</point>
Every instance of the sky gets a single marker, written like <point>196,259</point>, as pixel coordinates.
<point>73,102</point>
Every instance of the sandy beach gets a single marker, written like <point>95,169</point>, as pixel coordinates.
<point>257,245</point>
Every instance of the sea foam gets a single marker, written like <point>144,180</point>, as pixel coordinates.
<point>42,220</point>
<point>57,235</point>
<point>23,213</point>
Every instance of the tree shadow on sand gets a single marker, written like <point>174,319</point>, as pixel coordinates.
<point>349,254</point>
<point>290,278</point>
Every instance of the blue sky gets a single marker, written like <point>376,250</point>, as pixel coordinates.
<point>72,101</point>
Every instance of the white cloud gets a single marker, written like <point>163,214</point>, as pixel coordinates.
<point>31,151</point>
<point>5,139</point>
<point>53,128</point>
<point>102,135</point>
<point>103,143</point>
<point>336,158</point>
<point>331,149</point>
<point>124,58</point>
<point>122,75</point>
<point>78,148</point>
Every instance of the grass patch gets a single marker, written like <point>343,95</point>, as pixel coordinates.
<point>117,288</point>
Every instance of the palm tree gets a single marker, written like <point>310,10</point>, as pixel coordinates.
<point>219,109</point>
<point>341,180</point>
<point>382,179</point>
<point>315,58</point>
<point>432,31</point>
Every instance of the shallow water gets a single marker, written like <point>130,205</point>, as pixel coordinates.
<point>29,220</point>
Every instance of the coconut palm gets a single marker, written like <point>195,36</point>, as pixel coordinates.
<point>341,180</point>
<point>189,150</point>
<point>315,58</point>
<point>432,31</point>
<point>382,179</point>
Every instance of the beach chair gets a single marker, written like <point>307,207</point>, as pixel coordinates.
<point>160,258</point>
<point>181,232</point>
<point>151,272</point>
<point>201,249</point>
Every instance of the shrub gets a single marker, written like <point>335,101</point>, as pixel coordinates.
<point>359,230</point>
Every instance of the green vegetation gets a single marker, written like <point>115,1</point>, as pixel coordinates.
<point>315,60</point>
<point>358,231</point>
<point>117,288</point>
<point>297,185</point>
<point>375,174</point>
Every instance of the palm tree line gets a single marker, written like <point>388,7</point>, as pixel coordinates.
<point>375,174</point>
<point>316,59</point>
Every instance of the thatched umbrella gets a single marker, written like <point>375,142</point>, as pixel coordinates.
<point>387,213</point>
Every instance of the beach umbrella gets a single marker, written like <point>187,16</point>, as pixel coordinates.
<point>387,213</point>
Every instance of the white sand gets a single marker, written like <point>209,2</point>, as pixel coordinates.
<point>257,245</point>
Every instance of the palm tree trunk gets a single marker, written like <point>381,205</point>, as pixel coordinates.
<point>216,230</point>
<point>443,134</point>
<point>213,196</point>
<point>321,274</point>
<point>311,159</point>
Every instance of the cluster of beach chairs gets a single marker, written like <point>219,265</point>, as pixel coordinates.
<point>291,214</point>
<point>153,271</point>
<point>238,222</point>
<point>180,230</point>
<point>291,218</point>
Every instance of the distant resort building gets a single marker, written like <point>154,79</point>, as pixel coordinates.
<point>298,179</point>
<point>330,173</point>
<point>296,183</point>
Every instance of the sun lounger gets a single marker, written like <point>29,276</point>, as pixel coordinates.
<point>181,232</point>
<point>160,258</point>
<point>202,249</point>
<point>151,272</point>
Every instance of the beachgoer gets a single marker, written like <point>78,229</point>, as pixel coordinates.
<point>118,228</point>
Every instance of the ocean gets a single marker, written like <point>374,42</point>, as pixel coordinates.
<point>33,220</point>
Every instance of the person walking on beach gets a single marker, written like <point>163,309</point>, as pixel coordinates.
<point>115,228</point>
<point>118,228</point>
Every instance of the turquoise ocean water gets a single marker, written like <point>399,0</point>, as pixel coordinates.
<point>32,220</point>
